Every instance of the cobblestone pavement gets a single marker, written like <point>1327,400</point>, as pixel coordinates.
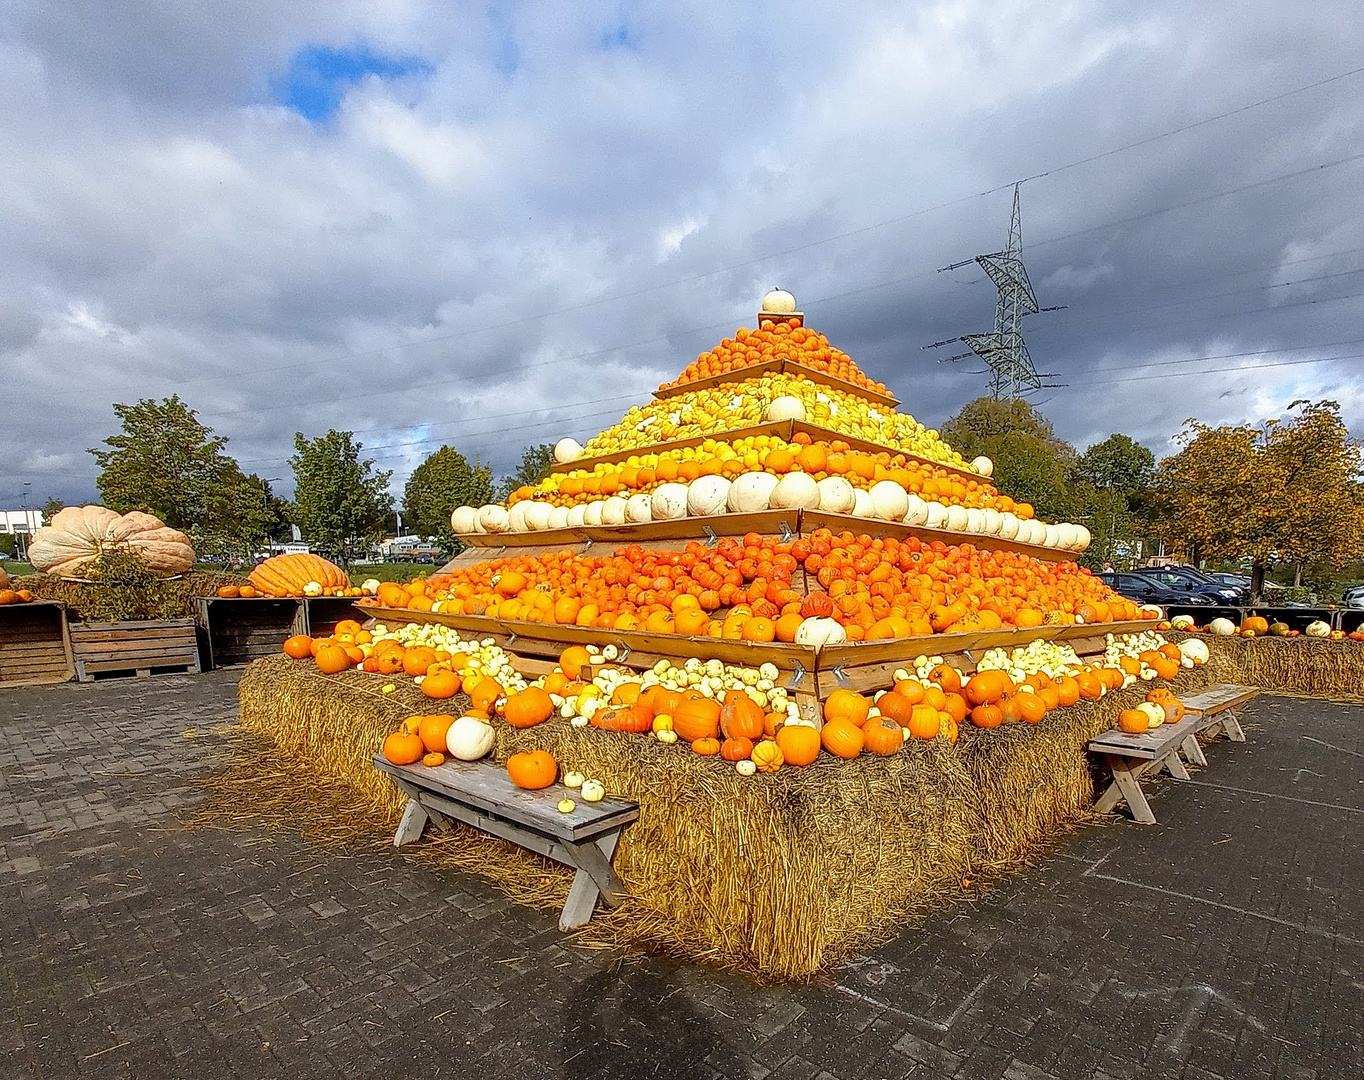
<point>1220,943</point>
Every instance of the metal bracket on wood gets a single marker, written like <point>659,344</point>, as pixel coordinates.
<point>797,677</point>
<point>967,653</point>
<point>588,544</point>
<point>624,653</point>
<point>786,532</point>
<point>502,549</point>
<point>511,638</point>
<point>711,538</point>
<point>840,675</point>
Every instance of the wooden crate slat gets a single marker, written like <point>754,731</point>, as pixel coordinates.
<point>782,428</point>
<point>772,367</point>
<point>237,630</point>
<point>35,644</point>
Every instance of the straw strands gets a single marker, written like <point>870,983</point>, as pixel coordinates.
<point>1299,667</point>
<point>775,875</point>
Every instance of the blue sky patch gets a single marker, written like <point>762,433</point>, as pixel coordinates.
<point>320,76</point>
<point>619,35</point>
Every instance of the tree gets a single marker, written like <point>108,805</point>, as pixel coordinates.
<point>439,484</point>
<point>164,462</point>
<point>536,462</point>
<point>1288,490</point>
<point>243,517</point>
<point>340,502</point>
<point>1119,463</point>
<point>1113,479</point>
<point>51,509</point>
<point>1031,464</point>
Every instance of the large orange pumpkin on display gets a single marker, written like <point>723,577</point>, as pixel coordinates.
<point>847,705</point>
<point>882,735</point>
<point>697,718</point>
<point>895,706</point>
<point>799,743</point>
<point>300,647</point>
<point>987,687</point>
<point>287,575</point>
<point>842,738</point>
<point>532,769</point>
<point>740,716</point>
<point>1255,624</point>
<point>433,731</point>
<point>404,746</point>
<point>925,722</point>
<point>77,535</point>
<point>332,659</point>
<point>633,719</point>
<point>441,684</point>
<point>417,660</point>
<point>530,707</point>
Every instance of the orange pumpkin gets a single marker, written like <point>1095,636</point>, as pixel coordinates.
<point>946,676</point>
<point>987,687</point>
<point>767,757</point>
<point>882,735</point>
<point>433,730</point>
<point>740,716</point>
<point>300,647</point>
<point>441,684</point>
<point>736,749</point>
<point>799,744</point>
<point>530,707</point>
<point>417,661</point>
<point>433,759</point>
<point>705,747</point>
<point>697,717</point>
<point>634,718</point>
<point>1133,721</point>
<point>987,716</point>
<point>484,694</point>
<point>841,737</point>
<point>532,769</point>
<point>229,592</point>
<point>847,705</point>
<point>332,659</point>
<point>404,746</point>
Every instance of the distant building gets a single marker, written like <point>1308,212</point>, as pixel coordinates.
<point>407,547</point>
<point>21,521</point>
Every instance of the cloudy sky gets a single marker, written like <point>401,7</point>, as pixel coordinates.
<point>499,223</point>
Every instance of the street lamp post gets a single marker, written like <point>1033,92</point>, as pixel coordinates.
<point>22,551</point>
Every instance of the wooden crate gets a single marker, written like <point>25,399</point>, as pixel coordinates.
<point>148,647</point>
<point>35,646</point>
<point>322,613</point>
<point>237,631</point>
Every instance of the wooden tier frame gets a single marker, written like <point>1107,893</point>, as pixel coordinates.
<point>777,365</point>
<point>796,523</point>
<point>808,674</point>
<point>784,429</point>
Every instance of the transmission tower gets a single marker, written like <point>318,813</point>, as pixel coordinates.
<point>1003,348</point>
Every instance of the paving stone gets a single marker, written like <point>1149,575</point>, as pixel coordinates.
<point>1219,945</point>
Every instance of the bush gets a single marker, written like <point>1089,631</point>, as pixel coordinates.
<point>7,544</point>
<point>126,590</point>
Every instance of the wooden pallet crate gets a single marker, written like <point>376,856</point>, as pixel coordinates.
<point>35,644</point>
<point>236,630</point>
<point>322,613</point>
<point>143,648</point>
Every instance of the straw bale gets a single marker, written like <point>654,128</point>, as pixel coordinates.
<point>1298,667</point>
<point>776,875</point>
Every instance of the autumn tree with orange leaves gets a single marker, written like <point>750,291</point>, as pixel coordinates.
<point>1288,490</point>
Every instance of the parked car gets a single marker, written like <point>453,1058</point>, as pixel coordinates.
<point>1353,597</point>
<point>1142,589</point>
<point>1194,582</point>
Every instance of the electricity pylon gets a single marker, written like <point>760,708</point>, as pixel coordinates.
<point>1003,348</point>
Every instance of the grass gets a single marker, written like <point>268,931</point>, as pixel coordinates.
<point>13,567</point>
<point>392,571</point>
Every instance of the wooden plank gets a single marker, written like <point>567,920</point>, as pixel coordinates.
<point>132,626</point>
<point>772,367</point>
<point>1219,698</point>
<point>488,787</point>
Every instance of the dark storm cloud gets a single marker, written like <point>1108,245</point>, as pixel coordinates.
<point>519,219</point>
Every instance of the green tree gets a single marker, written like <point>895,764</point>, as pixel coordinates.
<point>340,501</point>
<point>1119,463</point>
<point>442,482</point>
<point>243,516</point>
<point>164,462</point>
<point>1288,490</point>
<point>51,509</point>
<point>536,462</point>
<point>1113,479</point>
<point>1031,464</point>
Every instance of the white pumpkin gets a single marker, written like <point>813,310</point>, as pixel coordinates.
<point>707,495</point>
<point>836,495</point>
<point>1065,536</point>
<point>984,466</point>
<point>1183,622</point>
<point>1222,627</point>
<point>750,492</point>
<point>956,518</point>
<point>1155,715</point>
<point>1082,538</point>
<point>593,791</point>
<point>917,511</point>
<point>1037,532</point>
<point>558,517</point>
<point>463,518</point>
<point>785,407</point>
<point>669,502</point>
<point>820,632</point>
<point>937,515</point>
<point>862,504</point>
<point>469,738</point>
<point>994,521</point>
<point>314,588</point>
<point>1154,610</point>
<point>537,515</point>
<point>493,518</point>
<point>795,491</point>
<point>889,500</point>
<point>1317,628</point>
<point>1008,526</point>
<point>613,511</point>
<point>577,515</point>
<point>975,520</point>
<point>639,509</point>
<point>1051,536</point>
<point>516,518</point>
<point>779,302</point>
<point>592,515</point>
<point>1194,649</point>
<point>566,450</point>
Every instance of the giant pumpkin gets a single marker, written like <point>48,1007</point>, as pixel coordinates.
<point>76,536</point>
<point>287,575</point>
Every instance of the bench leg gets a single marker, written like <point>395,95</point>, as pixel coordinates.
<point>1128,790</point>
<point>594,879</point>
<point>1194,752</point>
<point>1176,766</point>
<point>1231,724</point>
<point>412,823</point>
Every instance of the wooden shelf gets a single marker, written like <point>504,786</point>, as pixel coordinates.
<point>818,519</point>
<point>773,367</point>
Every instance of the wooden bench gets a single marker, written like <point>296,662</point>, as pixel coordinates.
<point>484,796</point>
<point>1130,757</point>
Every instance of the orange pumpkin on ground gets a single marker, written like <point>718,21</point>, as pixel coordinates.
<point>841,737</point>
<point>799,744</point>
<point>416,661</point>
<point>532,769</point>
<point>300,646</point>
<point>332,659</point>
<point>705,747</point>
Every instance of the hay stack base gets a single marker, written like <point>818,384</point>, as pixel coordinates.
<point>1296,667</point>
<point>775,876</point>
